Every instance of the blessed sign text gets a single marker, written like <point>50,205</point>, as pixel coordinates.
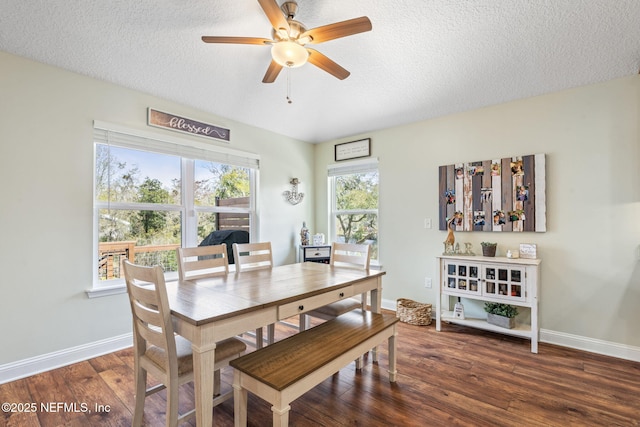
<point>183,124</point>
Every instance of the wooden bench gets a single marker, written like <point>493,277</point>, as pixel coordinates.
<point>282,372</point>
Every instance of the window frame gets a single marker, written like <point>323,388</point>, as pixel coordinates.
<point>188,152</point>
<point>350,168</point>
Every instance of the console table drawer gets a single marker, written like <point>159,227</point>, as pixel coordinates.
<point>315,252</point>
<point>311,303</point>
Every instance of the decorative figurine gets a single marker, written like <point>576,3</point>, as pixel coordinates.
<point>451,239</point>
<point>304,235</point>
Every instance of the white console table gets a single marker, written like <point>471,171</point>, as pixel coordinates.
<point>490,279</point>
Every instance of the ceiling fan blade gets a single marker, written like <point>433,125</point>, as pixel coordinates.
<point>236,40</point>
<point>337,30</point>
<point>326,64</point>
<point>274,14</point>
<point>272,72</point>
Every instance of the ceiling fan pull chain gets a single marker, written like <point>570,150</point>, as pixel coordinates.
<point>289,85</point>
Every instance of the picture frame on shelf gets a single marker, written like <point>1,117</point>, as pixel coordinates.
<point>528,251</point>
<point>458,311</point>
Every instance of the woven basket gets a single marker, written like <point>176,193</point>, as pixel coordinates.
<point>413,312</point>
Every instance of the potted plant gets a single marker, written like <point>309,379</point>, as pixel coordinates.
<point>489,248</point>
<point>501,314</point>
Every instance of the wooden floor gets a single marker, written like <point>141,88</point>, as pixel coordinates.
<point>457,377</point>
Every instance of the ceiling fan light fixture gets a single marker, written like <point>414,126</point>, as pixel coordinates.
<point>304,40</point>
<point>281,34</point>
<point>289,38</point>
<point>289,54</point>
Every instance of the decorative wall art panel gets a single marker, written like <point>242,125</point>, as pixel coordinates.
<point>182,124</point>
<point>494,195</point>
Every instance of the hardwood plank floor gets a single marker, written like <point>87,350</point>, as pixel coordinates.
<point>457,377</point>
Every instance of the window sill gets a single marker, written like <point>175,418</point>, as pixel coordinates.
<point>107,291</point>
<point>121,288</point>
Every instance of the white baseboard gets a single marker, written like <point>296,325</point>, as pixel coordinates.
<point>607,348</point>
<point>389,304</point>
<point>34,365</point>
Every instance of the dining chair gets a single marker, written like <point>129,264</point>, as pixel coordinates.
<point>255,256</point>
<point>202,261</point>
<point>348,255</point>
<point>252,256</point>
<point>159,351</point>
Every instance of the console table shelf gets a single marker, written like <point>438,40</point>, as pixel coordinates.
<point>490,279</point>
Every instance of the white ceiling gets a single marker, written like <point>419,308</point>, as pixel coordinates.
<point>423,58</point>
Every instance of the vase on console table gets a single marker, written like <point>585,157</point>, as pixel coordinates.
<point>304,235</point>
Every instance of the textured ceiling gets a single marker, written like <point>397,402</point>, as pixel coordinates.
<point>423,58</point>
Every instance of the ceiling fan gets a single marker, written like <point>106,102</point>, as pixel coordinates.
<point>289,38</point>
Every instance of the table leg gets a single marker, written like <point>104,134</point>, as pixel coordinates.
<point>259,338</point>
<point>392,356</point>
<point>280,416</point>
<point>376,297</point>
<point>271,333</point>
<point>240,399</point>
<point>376,307</point>
<point>203,364</point>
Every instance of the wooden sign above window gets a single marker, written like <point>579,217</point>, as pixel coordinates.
<point>353,149</point>
<point>182,124</point>
<point>494,195</point>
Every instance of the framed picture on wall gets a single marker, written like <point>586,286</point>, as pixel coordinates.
<point>353,149</point>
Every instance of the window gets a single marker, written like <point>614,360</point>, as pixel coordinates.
<point>152,196</point>
<point>354,203</point>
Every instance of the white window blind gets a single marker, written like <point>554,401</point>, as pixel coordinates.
<point>356,166</point>
<point>111,134</point>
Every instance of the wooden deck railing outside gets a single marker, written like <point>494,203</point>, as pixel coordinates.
<point>111,255</point>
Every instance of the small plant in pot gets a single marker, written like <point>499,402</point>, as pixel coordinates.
<point>489,248</point>
<point>501,314</point>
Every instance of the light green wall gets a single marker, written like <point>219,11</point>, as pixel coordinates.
<point>590,271</point>
<point>46,157</point>
<point>590,253</point>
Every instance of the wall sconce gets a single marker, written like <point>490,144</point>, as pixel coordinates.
<point>293,196</point>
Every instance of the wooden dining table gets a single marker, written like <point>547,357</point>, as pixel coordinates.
<point>209,310</point>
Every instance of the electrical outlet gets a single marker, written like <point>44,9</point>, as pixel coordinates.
<point>427,282</point>
<point>427,223</point>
